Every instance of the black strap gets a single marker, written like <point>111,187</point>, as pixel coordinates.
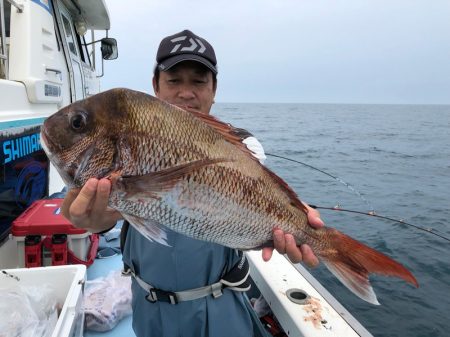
<point>237,278</point>
<point>123,234</point>
<point>123,238</point>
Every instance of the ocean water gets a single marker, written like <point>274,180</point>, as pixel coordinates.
<point>397,159</point>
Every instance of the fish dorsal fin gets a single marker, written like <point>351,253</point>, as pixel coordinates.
<point>231,134</point>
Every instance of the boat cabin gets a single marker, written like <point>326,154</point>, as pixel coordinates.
<point>49,58</point>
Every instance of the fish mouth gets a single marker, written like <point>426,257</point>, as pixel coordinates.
<point>46,143</point>
<point>50,148</point>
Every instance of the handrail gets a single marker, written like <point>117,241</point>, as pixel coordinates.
<point>56,71</point>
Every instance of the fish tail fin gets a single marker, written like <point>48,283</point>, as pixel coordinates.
<point>352,262</point>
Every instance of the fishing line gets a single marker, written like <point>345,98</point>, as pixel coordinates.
<point>372,213</point>
<point>350,187</point>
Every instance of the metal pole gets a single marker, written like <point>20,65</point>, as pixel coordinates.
<point>93,49</point>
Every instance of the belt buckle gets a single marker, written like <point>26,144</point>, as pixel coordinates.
<point>156,294</point>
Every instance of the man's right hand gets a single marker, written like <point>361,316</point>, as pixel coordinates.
<point>88,207</point>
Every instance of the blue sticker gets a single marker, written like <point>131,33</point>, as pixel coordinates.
<point>31,184</point>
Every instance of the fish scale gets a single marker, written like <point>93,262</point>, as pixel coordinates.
<point>191,173</point>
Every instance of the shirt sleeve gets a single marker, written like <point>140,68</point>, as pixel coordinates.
<point>256,148</point>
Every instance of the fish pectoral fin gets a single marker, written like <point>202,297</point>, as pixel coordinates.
<point>352,262</point>
<point>152,184</point>
<point>151,229</point>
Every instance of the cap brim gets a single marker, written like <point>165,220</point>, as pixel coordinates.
<point>171,61</point>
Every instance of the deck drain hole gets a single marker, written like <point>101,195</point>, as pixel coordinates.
<point>297,295</point>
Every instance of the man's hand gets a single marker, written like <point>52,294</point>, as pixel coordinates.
<point>285,243</point>
<point>88,208</point>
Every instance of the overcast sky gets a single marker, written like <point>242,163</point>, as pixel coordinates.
<point>323,51</point>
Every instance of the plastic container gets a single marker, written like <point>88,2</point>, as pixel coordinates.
<point>44,237</point>
<point>68,284</point>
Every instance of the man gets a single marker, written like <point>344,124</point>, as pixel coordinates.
<point>185,75</point>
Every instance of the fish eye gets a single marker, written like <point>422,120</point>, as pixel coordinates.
<point>78,121</point>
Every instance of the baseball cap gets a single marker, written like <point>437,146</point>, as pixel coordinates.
<point>185,46</point>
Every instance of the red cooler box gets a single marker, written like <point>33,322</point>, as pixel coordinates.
<point>44,237</point>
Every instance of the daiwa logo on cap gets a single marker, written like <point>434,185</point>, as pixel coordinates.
<point>185,46</point>
<point>191,47</point>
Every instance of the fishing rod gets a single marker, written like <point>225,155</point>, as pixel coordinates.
<point>372,213</point>
<point>350,187</point>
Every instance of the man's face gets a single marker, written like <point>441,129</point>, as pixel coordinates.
<point>188,85</point>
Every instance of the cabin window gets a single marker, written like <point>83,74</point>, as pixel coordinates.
<point>69,35</point>
<point>83,50</point>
